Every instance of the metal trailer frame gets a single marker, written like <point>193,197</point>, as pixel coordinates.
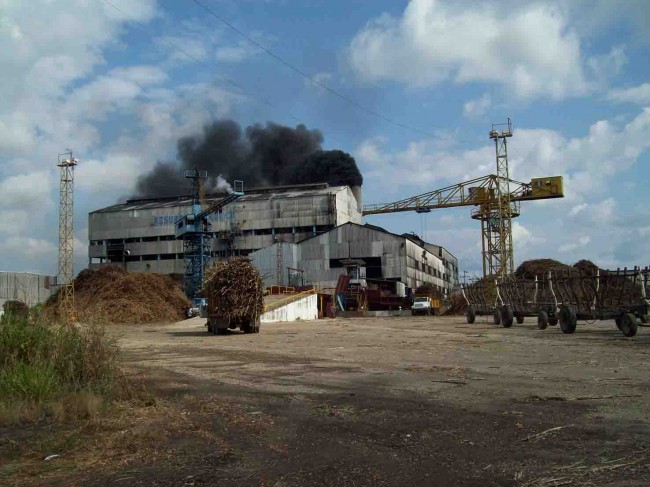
<point>477,302</point>
<point>528,298</point>
<point>620,295</point>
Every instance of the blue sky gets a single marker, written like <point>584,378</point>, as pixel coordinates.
<point>116,84</point>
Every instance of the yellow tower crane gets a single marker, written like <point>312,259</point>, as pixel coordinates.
<point>497,200</point>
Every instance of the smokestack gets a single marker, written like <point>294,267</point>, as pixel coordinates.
<point>259,155</point>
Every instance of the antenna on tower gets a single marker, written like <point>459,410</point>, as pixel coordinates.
<point>67,163</point>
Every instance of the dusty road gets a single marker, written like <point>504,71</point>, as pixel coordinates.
<point>397,401</point>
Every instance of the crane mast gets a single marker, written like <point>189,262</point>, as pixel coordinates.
<point>194,230</point>
<point>497,200</point>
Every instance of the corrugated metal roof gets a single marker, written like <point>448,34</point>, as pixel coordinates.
<point>255,194</point>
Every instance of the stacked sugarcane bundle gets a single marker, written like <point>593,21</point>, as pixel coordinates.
<point>234,290</point>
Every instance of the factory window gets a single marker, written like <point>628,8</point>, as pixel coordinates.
<point>167,256</point>
<point>149,239</point>
<point>129,258</point>
<point>150,257</point>
<point>133,240</point>
<point>263,231</point>
<point>115,241</point>
<point>167,237</point>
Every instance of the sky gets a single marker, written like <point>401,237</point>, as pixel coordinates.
<point>120,81</point>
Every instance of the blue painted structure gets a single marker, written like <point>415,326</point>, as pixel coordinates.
<point>194,230</point>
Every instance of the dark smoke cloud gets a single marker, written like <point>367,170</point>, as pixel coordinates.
<point>259,155</point>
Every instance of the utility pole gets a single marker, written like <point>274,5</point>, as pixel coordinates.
<point>67,163</point>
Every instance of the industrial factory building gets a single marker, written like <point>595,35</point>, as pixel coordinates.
<point>140,233</point>
<point>370,251</point>
<point>295,234</point>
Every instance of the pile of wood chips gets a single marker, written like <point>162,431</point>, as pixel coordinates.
<point>113,295</point>
<point>234,290</point>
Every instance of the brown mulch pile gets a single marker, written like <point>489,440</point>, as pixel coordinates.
<point>428,289</point>
<point>539,268</point>
<point>457,304</point>
<point>234,289</point>
<point>114,295</point>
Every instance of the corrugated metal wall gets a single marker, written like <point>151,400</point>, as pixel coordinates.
<point>29,288</point>
<point>265,260</point>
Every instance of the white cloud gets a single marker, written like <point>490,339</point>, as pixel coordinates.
<point>586,163</point>
<point>637,94</point>
<point>531,50</point>
<point>234,54</point>
<point>579,243</point>
<point>197,42</point>
<point>478,107</point>
<point>28,248</point>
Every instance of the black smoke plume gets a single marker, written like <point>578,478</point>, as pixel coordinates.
<point>259,155</point>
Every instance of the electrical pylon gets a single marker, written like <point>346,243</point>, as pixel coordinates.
<point>67,163</point>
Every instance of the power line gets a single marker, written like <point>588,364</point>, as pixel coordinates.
<point>311,78</point>
<point>198,60</point>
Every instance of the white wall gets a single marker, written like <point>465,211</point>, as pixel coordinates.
<point>304,309</point>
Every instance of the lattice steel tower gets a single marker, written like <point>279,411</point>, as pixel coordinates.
<point>498,258</point>
<point>67,163</point>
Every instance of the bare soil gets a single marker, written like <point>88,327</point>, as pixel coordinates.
<point>370,402</point>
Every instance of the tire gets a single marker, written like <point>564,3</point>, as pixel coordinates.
<point>507,316</point>
<point>520,320</point>
<point>542,320</point>
<point>568,320</point>
<point>247,328</point>
<point>553,320</point>
<point>497,317</point>
<point>471,314</point>
<point>209,325</point>
<point>628,325</point>
<point>618,321</point>
<point>643,318</point>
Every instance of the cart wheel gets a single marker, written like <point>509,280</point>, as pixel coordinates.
<point>542,320</point>
<point>497,317</point>
<point>471,314</point>
<point>628,325</point>
<point>618,321</point>
<point>552,320</point>
<point>520,320</point>
<point>643,318</point>
<point>568,320</point>
<point>507,316</point>
<point>209,325</point>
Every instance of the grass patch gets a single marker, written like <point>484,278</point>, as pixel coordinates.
<point>62,371</point>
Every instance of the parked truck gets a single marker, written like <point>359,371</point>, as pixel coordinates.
<point>425,305</point>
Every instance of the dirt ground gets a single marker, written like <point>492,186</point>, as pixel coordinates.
<point>381,401</point>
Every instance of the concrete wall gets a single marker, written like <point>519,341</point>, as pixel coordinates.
<point>29,288</point>
<point>304,309</point>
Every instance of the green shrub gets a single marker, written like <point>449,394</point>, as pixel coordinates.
<point>42,362</point>
<point>29,382</point>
